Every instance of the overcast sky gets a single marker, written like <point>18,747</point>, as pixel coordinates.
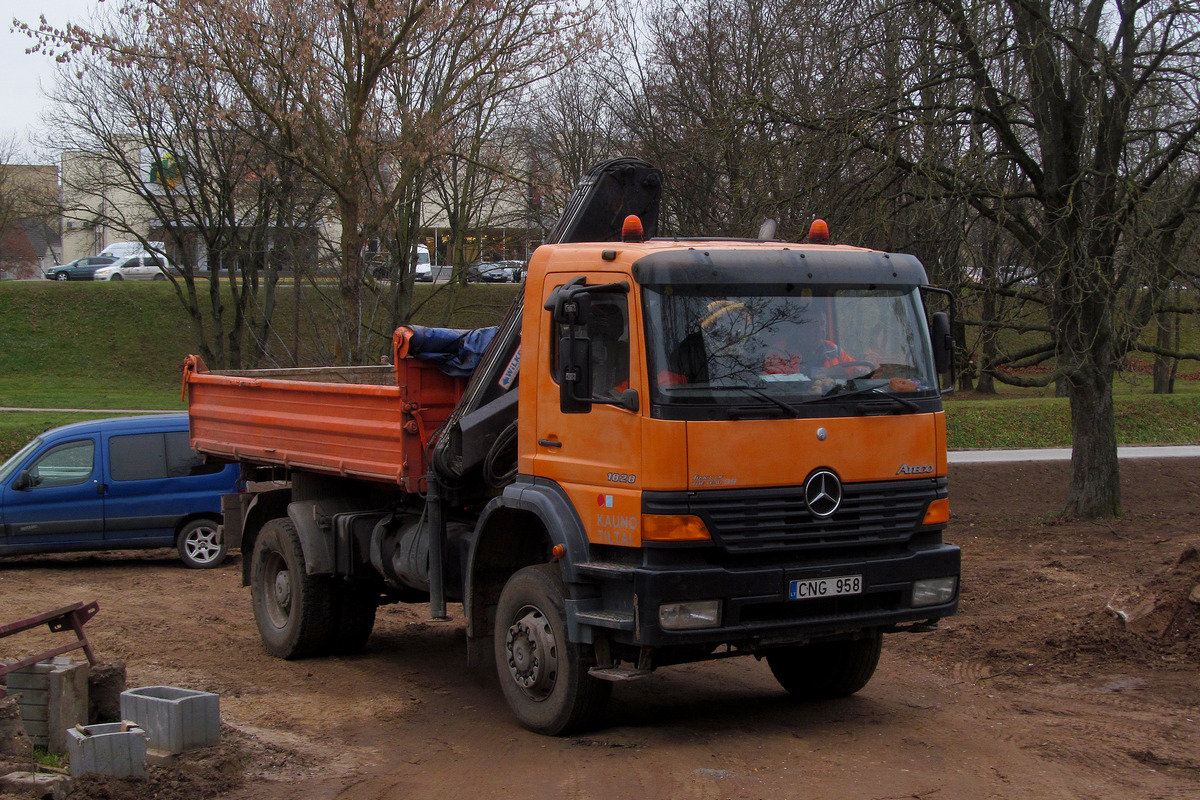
<point>20,93</point>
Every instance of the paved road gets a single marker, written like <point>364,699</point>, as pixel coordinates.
<point>1064,454</point>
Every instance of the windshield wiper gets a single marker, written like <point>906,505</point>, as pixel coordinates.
<point>840,393</point>
<point>788,407</point>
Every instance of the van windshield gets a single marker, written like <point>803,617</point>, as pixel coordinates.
<point>10,466</point>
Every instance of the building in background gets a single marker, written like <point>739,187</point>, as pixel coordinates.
<point>29,222</point>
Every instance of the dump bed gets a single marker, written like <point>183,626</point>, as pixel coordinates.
<point>363,422</point>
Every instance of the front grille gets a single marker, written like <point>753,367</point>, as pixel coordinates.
<point>747,521</point>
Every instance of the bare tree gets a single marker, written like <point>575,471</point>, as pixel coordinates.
<point>1081,122</point>
<point>153,154</point>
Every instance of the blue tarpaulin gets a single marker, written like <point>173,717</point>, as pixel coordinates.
<point>455,351</point>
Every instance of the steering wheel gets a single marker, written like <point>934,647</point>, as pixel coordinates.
<point>854,369</point>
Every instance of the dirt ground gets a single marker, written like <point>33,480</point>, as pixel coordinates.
<point>1038,689</point>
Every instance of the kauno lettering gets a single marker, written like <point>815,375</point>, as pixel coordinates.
<point>614,521</point>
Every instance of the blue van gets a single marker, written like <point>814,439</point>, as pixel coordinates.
<point>113,484</point>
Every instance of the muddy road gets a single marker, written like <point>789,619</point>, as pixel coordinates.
<point>1036,690</point>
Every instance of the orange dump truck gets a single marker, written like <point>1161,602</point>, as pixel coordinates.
<point>672,450</point>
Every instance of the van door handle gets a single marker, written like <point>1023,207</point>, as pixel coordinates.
<point>549,443</point>
<point>101,488</point>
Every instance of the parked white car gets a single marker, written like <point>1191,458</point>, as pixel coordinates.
<point>121,249</point>
<point>137,267</point>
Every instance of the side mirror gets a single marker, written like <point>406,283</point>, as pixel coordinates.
<point>943,342</point>
<point>23,481</point>
<point>574,374</point>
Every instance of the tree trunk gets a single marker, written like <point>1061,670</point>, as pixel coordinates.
<point>986,382</point>
<point>350,285</point>
<point>1164,367</point>
<point>966,375</point>
<point>1095,486</point>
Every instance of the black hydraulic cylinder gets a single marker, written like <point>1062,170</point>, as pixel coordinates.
<point>436,531</point>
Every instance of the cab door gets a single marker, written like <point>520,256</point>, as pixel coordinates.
<point>594,451</point>
<point>55,500</point>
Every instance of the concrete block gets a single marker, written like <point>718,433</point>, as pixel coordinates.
<point>53,697</point>
<point>35,784</point>
<point>113,748</point>
<point>174,719</point>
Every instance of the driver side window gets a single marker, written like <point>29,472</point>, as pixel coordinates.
<point>607,332</point>
<point>65,465</point>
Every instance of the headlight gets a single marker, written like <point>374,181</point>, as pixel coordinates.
<point>687,616</point>
<point>933,591</point>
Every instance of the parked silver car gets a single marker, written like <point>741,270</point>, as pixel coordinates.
<point>137,267</point>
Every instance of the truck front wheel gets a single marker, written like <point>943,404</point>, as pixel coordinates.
<point>294,610</point>
<point>826,670</point>
<point>544,677</point>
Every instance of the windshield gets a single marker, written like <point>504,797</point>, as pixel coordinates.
<point>7,468</point>
<point>782,346</point>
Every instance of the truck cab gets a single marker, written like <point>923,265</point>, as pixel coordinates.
<point>733,447</point>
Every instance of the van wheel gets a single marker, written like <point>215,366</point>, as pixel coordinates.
<point>544,676</point>
<point>826,670</point>
<point>116,277</point>
<point>201,545</point>
<point>294,611</point>
<point>160,277</point>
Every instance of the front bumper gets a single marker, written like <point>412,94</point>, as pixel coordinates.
<point>756,608</point>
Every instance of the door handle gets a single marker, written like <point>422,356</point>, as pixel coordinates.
<point>549,443</point>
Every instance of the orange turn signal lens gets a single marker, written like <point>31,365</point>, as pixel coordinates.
<point>673,528</point>
<point>938,512</point>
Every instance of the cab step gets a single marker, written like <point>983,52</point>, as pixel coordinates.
<point>616,620</point>
<point>617,674</point>
<point>605,570</point>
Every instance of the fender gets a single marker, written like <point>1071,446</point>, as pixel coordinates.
<point>261,508</point>
<point>314,524</point>
<point>545,500</point>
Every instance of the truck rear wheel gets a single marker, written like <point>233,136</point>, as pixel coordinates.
<point>294,610</point>
<point>826,670</point>
<point>544,677</point>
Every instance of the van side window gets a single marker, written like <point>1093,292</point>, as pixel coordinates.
<point>67,464</point>
<point>137,457</point>
<point>183,461</point>
<point>149,456</point>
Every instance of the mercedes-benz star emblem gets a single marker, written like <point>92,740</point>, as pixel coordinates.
<point>823,493</point>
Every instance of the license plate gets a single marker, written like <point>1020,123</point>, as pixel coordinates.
<point>826,587</point>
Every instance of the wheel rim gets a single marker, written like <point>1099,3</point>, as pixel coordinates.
<point>203,544</point>
<point>62,276</point>
<point>278,596</point>
<point>532,653</point>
